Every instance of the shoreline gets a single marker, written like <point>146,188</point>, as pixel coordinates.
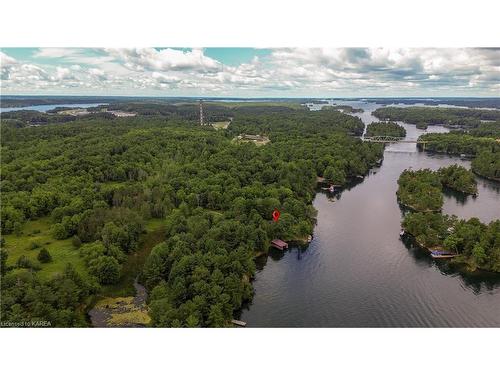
<point>458,260</point>
<point>455,154</point>
<point>412,208</point>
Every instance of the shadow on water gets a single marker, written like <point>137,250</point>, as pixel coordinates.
<point>358,273</point>
<point>276,255</point>
<point>460,198</point>
<point>491,185</point>
<point>478,281</point>
<point>350,184</point>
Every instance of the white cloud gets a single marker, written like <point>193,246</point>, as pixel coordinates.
<point>151,59</point>
<point>55,52</point>
<point>299,71</point>
<point>64,73</point>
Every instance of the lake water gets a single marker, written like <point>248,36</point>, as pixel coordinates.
<point>48,107</point>
<point>357,272</point>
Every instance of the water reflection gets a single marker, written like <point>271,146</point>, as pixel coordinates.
<point>357,272</point>
<point>460,198</point>
<point>478,281</point>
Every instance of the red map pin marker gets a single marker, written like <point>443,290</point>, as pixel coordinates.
<point>276,215</point>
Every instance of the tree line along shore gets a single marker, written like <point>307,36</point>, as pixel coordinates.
<point>78,196</point>
<point>475,133</point>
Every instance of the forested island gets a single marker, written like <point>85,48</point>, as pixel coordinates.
<point>342,108</point>
<point>476,244</point>
<point>78,198</point>
<point>426,116</point>
<point>390,129</point>
<point>461,102</point>
<point>421,190</point>
<point>485,151</point>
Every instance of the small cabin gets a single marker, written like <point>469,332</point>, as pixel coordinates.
<point>279,244</point>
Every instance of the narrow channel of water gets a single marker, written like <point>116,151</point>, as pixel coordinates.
<point>358,273</point>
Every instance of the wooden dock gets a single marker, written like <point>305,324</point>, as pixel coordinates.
<point>239,323</point>
<point>440,255</point>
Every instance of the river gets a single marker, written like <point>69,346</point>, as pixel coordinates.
<point>357,272</point>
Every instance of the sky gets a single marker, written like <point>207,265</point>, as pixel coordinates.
<point>250,72</point>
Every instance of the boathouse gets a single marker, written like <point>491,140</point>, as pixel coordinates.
<point>279,244</point>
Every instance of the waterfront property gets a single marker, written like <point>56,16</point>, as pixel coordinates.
<point>279,244</point>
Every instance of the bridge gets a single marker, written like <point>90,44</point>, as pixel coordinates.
<point>389,139</point>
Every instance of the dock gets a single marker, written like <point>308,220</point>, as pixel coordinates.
<point>238,323</point>
<point>442,255</point>
<point>279,244</point>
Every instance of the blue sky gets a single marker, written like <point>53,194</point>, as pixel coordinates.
<point>228,56</point>
<point>247,72</point>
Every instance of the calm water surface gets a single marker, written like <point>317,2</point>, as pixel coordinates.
<point>48,107</point>
<point>358,273</point>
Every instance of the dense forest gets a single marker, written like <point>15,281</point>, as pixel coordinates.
<point>487,129</point>
<point>78,196</point>
<point>21,119</point>
<point>390,129</point>
<point>477,244</point>
<point>461,117</point>
<point>421,190</point>
<point>485,151</point>
<point>458,178</point>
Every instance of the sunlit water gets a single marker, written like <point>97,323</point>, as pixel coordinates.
<point>358,273</point>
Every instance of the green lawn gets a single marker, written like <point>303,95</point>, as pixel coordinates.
<point>63,251</point>
<point>154,224</point>
<point>38,231</point>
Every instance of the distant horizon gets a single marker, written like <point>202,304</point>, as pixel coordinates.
<point>248,97</point>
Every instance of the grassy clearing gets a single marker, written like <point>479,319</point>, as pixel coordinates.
<point>63,252</point>
<point>221,125</point>
<point>261,142</point>
<point>154,224</point>
<point>38,232</point>
<point>122,312</point>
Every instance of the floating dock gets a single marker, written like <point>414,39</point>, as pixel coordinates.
<point>279,244</point>
<point>238,323</point>
<point>442,255</point>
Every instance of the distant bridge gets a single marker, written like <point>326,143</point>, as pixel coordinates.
<point>389,139</point>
